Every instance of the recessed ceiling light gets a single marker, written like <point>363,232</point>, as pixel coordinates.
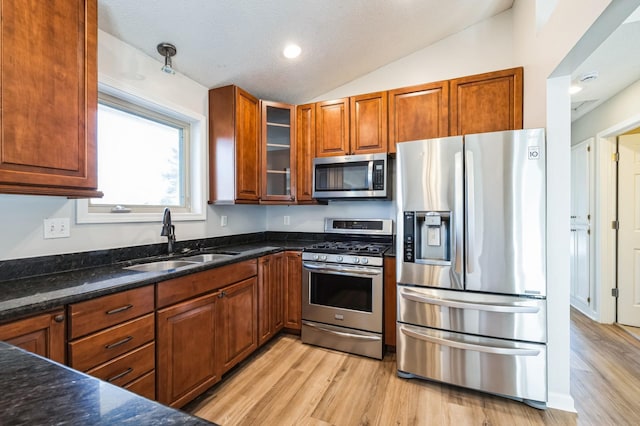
<point>291,51</point>
<point>574,89</point>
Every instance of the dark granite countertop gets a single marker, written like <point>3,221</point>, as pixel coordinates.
<point>36,391</point>
<point>25,296</point>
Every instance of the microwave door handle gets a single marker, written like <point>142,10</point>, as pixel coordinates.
<point>370,175</point>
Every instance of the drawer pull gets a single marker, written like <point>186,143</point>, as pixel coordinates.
<point>121,309</point>
<point>118,343</point>
<point>117,376</point>
<point>59,318</point>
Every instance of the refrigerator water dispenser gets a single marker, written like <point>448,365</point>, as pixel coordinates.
<point>427,237</point>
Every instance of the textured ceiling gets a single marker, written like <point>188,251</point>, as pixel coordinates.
<point>240,41</point>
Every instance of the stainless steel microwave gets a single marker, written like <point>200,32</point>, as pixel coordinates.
<point>351,176</point>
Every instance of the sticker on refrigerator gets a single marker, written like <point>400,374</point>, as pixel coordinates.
<point>534,153</point>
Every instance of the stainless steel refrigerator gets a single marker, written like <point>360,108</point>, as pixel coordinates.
<point>471,266</point>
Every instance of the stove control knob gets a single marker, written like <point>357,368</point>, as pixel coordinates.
<point>323,258</point>
<point>315,257</point>
<point>356,260</point>
<point>365,260</point>
<point>339,258</point>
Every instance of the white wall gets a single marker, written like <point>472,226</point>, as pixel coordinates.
<point>311,218</point>
<point>486,46</point>
<point>22,216</point>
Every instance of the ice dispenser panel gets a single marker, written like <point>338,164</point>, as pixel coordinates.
<point>427,237</point>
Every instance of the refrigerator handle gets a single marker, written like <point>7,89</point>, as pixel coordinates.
<point>470,346</point>
<point>458,215</point>
<point>471,217</point>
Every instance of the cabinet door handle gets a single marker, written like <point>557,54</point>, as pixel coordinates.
<point>58,318</point>
<point>117,376</point>
<point>119,342</point>
<point>120,309</point>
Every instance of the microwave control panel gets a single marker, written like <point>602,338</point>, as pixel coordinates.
<point>378,175</point>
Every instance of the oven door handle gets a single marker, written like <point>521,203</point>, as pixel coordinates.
<point>342,333</point>
<point>340,270</point>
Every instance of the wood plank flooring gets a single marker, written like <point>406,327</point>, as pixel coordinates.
<point>288,383</point>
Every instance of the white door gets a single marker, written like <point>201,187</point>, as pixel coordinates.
<point>580,225</point>
<point>629,231</point>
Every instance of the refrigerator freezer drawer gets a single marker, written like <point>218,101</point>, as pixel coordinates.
<point>508,317</point>
<point>508,368</point>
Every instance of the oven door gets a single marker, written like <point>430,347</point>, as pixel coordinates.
<point>342,295</point>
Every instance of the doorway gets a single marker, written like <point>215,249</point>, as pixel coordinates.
<point>606,263</point>
<point>628,247</point>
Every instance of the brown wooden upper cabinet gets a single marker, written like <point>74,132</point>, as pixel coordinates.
<point>278,152</point>
<point>418,112</point>
<point>234,146</point>
<point>48,118</point>
<point>368,123</point>
<point>486,102</point>
<point>332,128</point>
<point>355,125</point>
<point>305,151</point>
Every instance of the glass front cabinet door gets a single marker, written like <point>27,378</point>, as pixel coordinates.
<point>278,152</point>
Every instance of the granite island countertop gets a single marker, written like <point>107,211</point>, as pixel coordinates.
<point>37,391</point>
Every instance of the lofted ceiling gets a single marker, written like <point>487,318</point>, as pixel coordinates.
<point>222,42</point>
<point>241,41</point>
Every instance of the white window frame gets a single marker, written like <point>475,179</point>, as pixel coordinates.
<point>196,168</point>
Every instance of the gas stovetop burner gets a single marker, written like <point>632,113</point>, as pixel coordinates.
<point>349,247</point>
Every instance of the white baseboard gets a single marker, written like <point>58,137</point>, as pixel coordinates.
<point>561,401</point>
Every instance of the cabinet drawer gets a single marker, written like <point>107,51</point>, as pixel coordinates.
<point>127,367</point>
<point>183,288</point>
<point>93,315</point>
<point>93,350</point>
<point>144,386</point>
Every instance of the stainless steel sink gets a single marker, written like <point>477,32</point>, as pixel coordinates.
<point>165,265</point>
<point>209,257</point>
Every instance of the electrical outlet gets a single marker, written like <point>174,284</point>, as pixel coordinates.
<point>57,228</point>
<point>287,220</point>
<point>223,221</point>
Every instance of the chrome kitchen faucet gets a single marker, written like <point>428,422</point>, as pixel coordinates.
<point>168,230</point>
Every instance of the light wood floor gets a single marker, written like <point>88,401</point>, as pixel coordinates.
<point>288,383</point>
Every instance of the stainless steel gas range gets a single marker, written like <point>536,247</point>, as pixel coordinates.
<point>342,286</point>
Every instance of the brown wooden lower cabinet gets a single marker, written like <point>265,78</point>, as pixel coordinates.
<point>293,291</point>
<point>186,349</point>
<point>41,334</point>
<point>390,297</point>
<point>237,334</point>
<point>270,296</point>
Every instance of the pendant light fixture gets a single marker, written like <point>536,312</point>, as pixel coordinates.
<point>167,50</point>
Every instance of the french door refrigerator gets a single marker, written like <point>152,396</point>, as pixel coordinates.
<point>471,267</point>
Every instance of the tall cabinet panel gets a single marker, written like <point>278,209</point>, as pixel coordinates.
<point>305,151</point>
<point>234,146</point>
<point>49,97</point>
<point>332,128</point>
<point>486,102</point>
<point>368,123</point>
<point>418,112</point>
<point>278,152</point>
